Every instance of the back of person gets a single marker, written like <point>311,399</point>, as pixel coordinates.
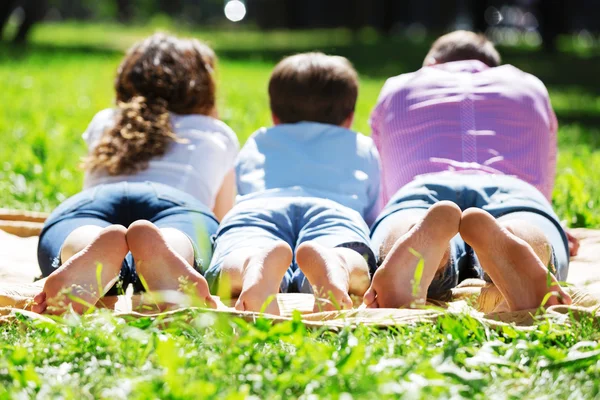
<point>305,187</point>
<point>196,163</point>
<point>159,164</point>
<point>310,159</point>
<point>468,150</point>
<point>464,115</point>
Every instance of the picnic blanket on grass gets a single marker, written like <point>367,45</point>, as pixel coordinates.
<point>19,270</point>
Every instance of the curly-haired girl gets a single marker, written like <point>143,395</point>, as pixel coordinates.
<point>160,164</point>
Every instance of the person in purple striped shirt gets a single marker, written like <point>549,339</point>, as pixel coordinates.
<point>468,153</point>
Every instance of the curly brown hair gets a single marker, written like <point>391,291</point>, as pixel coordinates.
<point>160,74</point>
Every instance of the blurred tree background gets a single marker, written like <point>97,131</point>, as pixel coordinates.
<point>54,85</point>
<point>534,22</point>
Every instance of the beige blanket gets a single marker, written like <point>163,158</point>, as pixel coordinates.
<point>19,269</point>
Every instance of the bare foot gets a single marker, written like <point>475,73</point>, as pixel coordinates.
<point>257,276</point>
<point>161,267</point>
<point>510,262</point>
<point>329,272</point>
<point>392,285</point>
<point>76,282</point>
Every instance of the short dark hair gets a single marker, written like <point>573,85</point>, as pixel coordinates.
<point>464,45</point>
<point>313,87</point>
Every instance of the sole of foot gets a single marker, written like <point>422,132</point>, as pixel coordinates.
<point>394,283</point>
<point>161,267</point>
<point>328,272</point>
<point>511,263</point>
<point>261,275</point>
<point>77,282</point>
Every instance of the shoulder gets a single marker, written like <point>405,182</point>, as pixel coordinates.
<point>100,122</point>
<point>518,79</point>
<point>228,134</point>
<point>197,126</point>
<point>104,118</point>
<point>396,84</point>
<point>258,136</point>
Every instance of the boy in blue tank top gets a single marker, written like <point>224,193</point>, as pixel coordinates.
<point>305,188</point>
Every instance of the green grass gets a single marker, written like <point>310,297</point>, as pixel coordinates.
<point>199,355</point>
<point>50,92</point>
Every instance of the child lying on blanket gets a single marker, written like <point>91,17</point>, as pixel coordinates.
<point>305,185</point>
<point>161,164</point>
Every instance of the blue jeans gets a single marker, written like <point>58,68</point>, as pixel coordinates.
<point>123,203</point>
<point>504,197</point>
<point>261,222</point>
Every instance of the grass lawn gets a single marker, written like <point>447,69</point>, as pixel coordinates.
<point>50,92</point>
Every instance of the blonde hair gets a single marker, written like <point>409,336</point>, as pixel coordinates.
<point>159,75</point>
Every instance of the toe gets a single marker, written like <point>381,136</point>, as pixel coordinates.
<point>346,303</point>
<point>240,305</point>
<point>565,298</point>
<point>369,296</point>
<point>560,298</point>
<point>40,298</point>
<point>210,302</point>
<point>39,308</point>
<point>374,304</point>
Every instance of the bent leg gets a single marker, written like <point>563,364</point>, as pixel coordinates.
<point>333,272</point>
<point>78,240</point>
<point>396,282</point>
<point>333,253</point>
<point>518,271</point>
<point>254,274</point>
<point>164,259</point>
<point>544,237</point>
<point>77,282</point>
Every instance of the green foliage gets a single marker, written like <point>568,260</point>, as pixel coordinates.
<point>50,93</point>
<point>52,90</point>
<point>203,355</point>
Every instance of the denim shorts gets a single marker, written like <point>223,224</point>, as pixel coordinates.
<point>504,197</point>
<point>123,203</point>
<point>258,223</point>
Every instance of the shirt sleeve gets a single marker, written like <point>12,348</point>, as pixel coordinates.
<point>102,121</point>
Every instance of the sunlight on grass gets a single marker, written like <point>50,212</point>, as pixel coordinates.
<point>219,357</point>
<point>50,94</point>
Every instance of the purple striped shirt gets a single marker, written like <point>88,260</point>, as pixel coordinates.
<point>467,117</point>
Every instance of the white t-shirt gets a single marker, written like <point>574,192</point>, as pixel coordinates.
<point>197,167</point>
